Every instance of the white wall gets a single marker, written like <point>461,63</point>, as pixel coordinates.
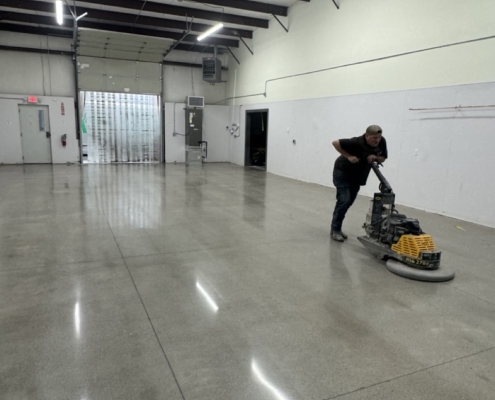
<point>49,77</point>
<point>33,73</point>
<point>448,174</point>
<point>10,129</point>
<point>215,121</point>
<point>439,160</point>
<point>320,36</point>
<point>180,82</point>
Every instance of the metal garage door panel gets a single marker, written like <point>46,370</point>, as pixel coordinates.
<point>152,58</point>
<point>143,57</point>
<point>91,65</point>
<point>148,70</point>
<point>92,52</point>
<point>115,62</point>
<point>121,68</point>
<point>123,85</point>
<point>105,75</point>
<point>127,46</point>
<point>91,74</point>
<point>148,86</point>
<point>96,83</point>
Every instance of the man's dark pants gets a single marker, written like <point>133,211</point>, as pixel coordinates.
<point>347,191</point>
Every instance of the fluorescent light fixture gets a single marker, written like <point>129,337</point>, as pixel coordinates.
<point>81,16</point>
<point>213,29</point>
<point>59,8</point>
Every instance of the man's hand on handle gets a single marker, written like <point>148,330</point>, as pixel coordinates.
<point>378,159</point>
<point>372,158</point>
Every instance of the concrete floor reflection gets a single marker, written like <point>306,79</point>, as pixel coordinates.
<point>220,282</point>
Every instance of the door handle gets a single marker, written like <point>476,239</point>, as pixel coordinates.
<point>48,135</point>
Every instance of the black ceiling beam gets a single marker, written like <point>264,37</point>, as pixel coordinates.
<point>23,17</point>
<point>38,19</point>
<point>182,12</point>
<point>155,33</point>
<point>198,48</point>
<point>34,50</point>
<point>250,6</point>
<point>69,35</point>
<point>36,30</point>
<point>120,17</point>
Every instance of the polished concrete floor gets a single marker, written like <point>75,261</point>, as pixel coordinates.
<point>221,283</point>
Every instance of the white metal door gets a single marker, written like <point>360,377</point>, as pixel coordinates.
<point>35,132</point>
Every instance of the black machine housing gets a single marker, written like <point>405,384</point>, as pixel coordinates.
<point>384,227</point>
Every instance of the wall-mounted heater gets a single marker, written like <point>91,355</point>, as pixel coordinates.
<point>195,102</point>
<point>212,69</point>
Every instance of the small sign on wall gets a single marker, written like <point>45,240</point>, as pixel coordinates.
<point>62,109</point>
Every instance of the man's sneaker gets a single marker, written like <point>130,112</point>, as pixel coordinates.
<point>344,236</point>
<point>337,236</point>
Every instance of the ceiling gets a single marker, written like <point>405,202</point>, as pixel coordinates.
<point>146,30</point>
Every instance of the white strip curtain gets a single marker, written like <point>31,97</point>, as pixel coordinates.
<point>122,127</point>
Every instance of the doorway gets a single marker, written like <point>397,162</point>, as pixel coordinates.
<point>120,128</point>
<point>35,134</point>
<point>256,139</point>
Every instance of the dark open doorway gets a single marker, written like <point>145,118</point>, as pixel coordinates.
<point>256,138</point>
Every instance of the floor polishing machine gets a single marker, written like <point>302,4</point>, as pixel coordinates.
<point>391,236</point>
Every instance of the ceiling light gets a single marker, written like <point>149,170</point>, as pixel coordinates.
<point>210,31</point>
<point>59,8</point>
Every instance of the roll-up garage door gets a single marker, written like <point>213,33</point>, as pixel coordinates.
<point>120,88</point>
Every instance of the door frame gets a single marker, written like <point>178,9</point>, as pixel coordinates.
<point>247,143</point>
<point>47,106</point>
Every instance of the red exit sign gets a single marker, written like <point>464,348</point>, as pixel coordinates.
<point>32,99</point>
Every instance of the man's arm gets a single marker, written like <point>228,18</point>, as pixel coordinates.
<point>350,157</point>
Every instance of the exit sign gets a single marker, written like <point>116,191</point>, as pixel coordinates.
<point>32,99</point>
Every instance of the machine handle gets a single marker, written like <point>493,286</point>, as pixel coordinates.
<point>384,185</point>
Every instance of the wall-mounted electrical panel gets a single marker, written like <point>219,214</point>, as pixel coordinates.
<point>212,69</point>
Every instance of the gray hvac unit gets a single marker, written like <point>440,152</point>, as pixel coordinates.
<point>195,102</point>
<point>212,69</point>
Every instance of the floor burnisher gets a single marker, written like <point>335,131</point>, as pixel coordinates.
<point>391,236</point>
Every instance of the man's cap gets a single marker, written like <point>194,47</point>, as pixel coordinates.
<point>373,130</point>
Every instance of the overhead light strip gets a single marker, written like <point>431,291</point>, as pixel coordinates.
<point>210,31</point>
<point>59,9</point>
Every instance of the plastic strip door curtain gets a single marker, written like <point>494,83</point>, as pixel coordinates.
<point>121,127</point>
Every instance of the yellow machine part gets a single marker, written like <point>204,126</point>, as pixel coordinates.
<point>412,245</point>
